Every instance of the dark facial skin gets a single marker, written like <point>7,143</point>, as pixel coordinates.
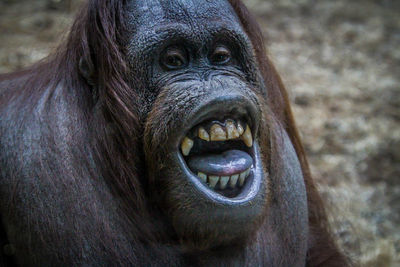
<point>190,64</point>
<point>205,88</point>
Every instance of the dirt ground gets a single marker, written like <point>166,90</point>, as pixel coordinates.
<point>340,61</point>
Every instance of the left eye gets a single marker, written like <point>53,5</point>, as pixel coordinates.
<point>174,58</point>
<point>221,55</point>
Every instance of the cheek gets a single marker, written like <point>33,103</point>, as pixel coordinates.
<point>198,210</point>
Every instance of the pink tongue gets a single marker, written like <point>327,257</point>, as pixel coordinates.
<point>224,164</point>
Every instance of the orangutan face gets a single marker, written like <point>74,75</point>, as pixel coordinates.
<point>202,129</point>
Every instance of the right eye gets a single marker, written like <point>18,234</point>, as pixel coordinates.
<point>221,55</point>
<point>174,58</point>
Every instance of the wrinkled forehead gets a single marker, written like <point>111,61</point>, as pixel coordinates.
<point>190,12</point>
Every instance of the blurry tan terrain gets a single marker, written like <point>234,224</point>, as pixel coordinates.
<point>340,61</point>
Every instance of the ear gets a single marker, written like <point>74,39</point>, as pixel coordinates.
<point>86,69</point>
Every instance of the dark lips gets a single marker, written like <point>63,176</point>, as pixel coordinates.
<point>219,153</point>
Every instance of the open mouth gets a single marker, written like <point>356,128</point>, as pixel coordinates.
<point>220,154</point>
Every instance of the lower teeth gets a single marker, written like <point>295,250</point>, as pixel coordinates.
<point>222,182</point>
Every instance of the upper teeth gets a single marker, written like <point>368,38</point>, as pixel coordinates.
<point>217,133</point>
<point>240,129</point>
<point>186,146</point>
<point>247,138</point>
<point>231,130</point>
<point>220,133</point>
<point>203,134</point>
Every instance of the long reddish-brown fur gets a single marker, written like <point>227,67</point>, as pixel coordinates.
<point>100,28</point>
<point>323,250</point>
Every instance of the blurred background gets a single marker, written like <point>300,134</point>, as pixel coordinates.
<point>340,61</point>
